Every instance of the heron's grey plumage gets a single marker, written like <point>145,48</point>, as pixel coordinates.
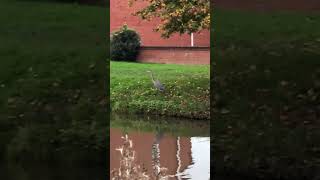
<point>156,83</point>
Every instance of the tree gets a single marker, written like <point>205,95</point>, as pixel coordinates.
<point>177,16</point>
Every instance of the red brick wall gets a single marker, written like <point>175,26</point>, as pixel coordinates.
<point>121,13</point>
<point>142,145</point>
<point>175,55</point>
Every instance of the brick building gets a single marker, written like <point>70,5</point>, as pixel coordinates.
<point>180,49</point>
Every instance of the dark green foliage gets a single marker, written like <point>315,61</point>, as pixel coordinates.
<point>84,1</point>
<point>125,44</point>
<point>265,84</point>
<point>93,2</point>
<point>52,98</point>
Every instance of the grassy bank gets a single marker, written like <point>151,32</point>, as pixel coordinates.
<point>52,77</point>
<point>267,93</point>
<point>186,94</point>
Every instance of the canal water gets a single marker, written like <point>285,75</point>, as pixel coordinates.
<point>56,151</point>
<point>181,146</point>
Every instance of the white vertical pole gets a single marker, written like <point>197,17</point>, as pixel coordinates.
<point>178,158</point>
<point>192,40</point>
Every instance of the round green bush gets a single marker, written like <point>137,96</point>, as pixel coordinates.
<point>125,44</point>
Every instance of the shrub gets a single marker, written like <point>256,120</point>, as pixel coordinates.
<point>125,44</point>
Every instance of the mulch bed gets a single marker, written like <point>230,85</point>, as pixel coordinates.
<point>269,5</point>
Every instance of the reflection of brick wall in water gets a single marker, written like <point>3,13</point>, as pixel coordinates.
<point>168,154</point>
<point>142,144</point>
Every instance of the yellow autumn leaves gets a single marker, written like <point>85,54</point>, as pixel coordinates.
<point>183,16</point>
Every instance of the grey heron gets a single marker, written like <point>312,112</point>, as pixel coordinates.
<point>156,83</point>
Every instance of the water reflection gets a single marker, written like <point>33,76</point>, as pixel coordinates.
<point>184,153</point>
<point>200,148</point>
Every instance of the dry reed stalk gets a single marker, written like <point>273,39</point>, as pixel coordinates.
<point>130,170</point>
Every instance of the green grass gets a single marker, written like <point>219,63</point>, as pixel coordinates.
<point>53,72</point>
<point>186,94</point>
<point>266,82</point>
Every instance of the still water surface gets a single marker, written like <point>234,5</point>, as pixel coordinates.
<point>180,145</point>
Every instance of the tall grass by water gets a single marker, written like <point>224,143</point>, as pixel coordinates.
<point>130,170</point>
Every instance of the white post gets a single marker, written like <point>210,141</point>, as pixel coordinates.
<point>178,158</point>
<point>192,40</point>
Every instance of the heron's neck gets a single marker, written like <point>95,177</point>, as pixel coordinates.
<point>151,74</point>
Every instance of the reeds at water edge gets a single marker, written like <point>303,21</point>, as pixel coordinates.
<point>130,170</point>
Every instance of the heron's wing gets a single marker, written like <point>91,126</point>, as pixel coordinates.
<point>159,85</point>
<point>157,82</point>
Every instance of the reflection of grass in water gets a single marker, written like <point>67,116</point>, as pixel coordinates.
<point>173,126</point>
<point>129,169</point>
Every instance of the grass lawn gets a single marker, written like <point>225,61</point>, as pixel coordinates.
<point>53,68</point>
<point>266,94</point>
<point>186,94</point>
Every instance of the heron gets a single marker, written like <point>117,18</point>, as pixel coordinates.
<point>156,83</point>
